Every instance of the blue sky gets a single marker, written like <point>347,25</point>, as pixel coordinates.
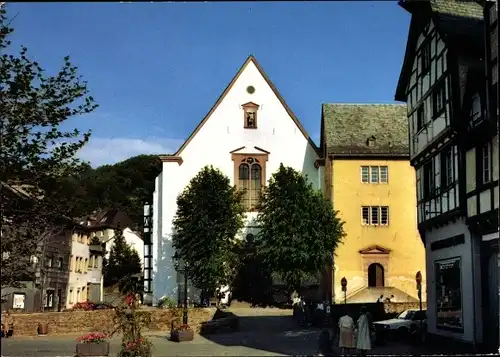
<point>157,68</point>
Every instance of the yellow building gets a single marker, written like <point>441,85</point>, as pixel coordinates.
<point>370,181</point>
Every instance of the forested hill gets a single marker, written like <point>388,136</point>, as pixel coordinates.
<point>126,185</point>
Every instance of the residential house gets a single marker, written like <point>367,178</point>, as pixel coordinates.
<point>369,179</point>
<point>453,152</point>
<point>104,228</point>
<point>46,284</point>
<point>247,134</point>
<point>485,221</point>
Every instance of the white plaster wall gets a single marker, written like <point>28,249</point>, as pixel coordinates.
<point>277,133</point>
<point>469,252</point>
<point>77,280</point>
<point>131,239</point>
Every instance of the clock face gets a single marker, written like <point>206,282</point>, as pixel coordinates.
<point>251,89</point>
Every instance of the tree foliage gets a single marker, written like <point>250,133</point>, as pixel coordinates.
<point>123,261</point>
<point>209,215</point>
<point>126,185</point>
<point>299,229</point>
<point>36,154</point>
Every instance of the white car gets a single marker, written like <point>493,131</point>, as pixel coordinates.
<point>405,322</point>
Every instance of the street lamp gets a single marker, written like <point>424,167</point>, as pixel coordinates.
<point>182,267</point>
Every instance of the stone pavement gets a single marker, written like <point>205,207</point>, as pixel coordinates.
<point>263,332</point>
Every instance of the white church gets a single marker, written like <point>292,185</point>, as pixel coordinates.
<point>247,134</point>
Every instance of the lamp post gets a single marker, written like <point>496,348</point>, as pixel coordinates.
<point>343,282</point>
<point>418,279</point>
<point>183,268</point>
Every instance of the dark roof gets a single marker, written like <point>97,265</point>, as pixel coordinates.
<point>346,129</point>
<point>459,22</point>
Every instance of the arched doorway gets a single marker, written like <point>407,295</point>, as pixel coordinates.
<point>375,275</point>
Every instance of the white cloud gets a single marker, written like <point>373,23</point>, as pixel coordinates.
<point>102,151</point>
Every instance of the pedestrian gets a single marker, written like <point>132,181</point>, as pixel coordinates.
<point>346,335</point>
<point>363,335</point>
<point>6,324</point>
<point>381,298</point>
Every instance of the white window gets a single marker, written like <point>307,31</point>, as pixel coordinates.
<point>384,174</point>
<point>486,163</point>
<point>374,174</point>
<point>475,112</point>
<point>365,214</point>
<point>375,215</point>
<point>384,215</point>
<point>365,174</point>
<point>146,250</point>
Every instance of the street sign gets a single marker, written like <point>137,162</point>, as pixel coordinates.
<point>343,282</point>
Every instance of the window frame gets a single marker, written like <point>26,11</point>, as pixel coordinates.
<point>261,160</point>
<point>425,57</point>
<point>429,181</point>
<point>420,113</point>
<point>439,97</point>
<point>367,215</point>
<point>447,172</point>
<point>486,168</point>
<point>365,174</point>
<point>369,174</point>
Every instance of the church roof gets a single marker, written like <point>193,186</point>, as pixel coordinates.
<point>250,59</point>
<point>365,129</point>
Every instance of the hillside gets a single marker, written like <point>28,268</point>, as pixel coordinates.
<point>126,185</point>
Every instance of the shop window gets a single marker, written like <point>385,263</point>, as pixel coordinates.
<point>449,294</point>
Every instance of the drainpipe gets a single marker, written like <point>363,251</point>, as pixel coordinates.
<point>473,263</point>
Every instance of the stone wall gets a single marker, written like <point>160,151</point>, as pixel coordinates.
<point>101,320</point>
<point>397,307</point>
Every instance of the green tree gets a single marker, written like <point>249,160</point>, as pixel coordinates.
<point>299,228</point>
<point>209,215</point>
<point>37,156</point>
<point>123,262</point>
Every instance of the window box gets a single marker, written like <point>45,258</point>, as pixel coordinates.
<point>92,349</point>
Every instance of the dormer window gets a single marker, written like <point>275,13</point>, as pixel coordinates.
<point>250,115</point>
<point>370,141</point>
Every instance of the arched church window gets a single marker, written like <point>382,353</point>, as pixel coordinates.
<point>250,182</point>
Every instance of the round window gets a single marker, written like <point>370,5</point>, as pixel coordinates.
<point>250,160</point>
<point>251,89</point>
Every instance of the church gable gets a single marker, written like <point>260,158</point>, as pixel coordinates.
<point>250,101</point>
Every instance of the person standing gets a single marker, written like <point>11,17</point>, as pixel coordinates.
<point>346,335</point>
<point>363,336</point>
<point>381,298</point>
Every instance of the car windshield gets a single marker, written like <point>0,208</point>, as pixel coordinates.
<point>406,315</point>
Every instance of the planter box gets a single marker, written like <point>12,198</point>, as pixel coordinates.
<point>182,336</point>
<point>92,349</point>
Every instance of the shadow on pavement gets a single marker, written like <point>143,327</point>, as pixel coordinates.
<point>275,334</point>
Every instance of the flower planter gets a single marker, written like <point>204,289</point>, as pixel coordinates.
<point>92,349</point>
<point>182,335</point>
<point>43,328</point>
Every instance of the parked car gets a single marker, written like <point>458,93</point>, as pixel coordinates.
<point>400,326</point>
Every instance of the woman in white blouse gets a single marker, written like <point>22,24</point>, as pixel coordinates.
<point>346,336</point>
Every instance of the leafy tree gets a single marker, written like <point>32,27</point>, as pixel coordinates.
<point>209,215</point>
<point>126,185</point>
<point>123,262</point>
<point>299,229</point>
<point>37,155</point>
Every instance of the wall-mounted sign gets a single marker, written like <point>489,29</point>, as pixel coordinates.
<point>18,301</point>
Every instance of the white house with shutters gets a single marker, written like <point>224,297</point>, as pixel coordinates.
<point>453,151</point>
<point>247,134</point>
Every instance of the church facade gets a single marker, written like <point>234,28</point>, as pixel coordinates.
<point>247,134</point>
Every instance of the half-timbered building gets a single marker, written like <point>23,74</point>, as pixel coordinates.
<point>442,82</point>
